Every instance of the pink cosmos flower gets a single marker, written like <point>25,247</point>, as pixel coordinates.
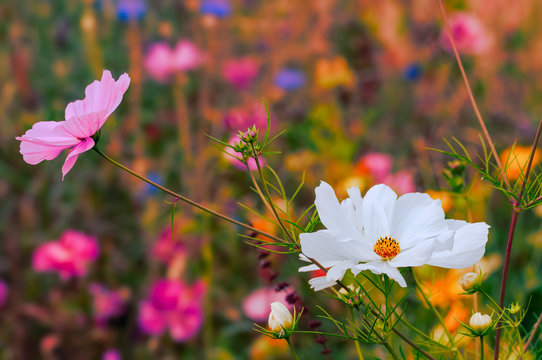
<point>240,72</point>
<point>186,56</point>
<point>377,164</point>
<point>257,305</point>
<point>230,153</point>
<point>246,117</point>
<point>167,247</point>
<point>3,293</point>
<point>158,61</point>
<point>83,119</point>
<point>173,306</point>
<point>469,34</point>
<point>70,256</point>
<point>107,303</point>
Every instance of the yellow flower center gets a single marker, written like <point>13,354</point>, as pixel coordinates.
<point>387,248</point>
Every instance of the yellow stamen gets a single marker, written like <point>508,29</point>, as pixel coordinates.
<point>387,248</point>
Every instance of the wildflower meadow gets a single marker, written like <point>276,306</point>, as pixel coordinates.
<point>250,179</point>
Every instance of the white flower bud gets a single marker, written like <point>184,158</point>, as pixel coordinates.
<point>479,322</point>
<point>279,317</point>
<point>468,280</point>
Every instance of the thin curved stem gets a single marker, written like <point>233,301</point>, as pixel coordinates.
<point>292,349</point>
<point>185,199</point>
<point>358,348</point>
<point>390,349</point>
<point>437,314</point>
<point>471,97</point>
<point>270,201</point>
<point>531,337</point>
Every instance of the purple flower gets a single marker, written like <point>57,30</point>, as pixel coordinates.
<point>289,79</point>
<point>131,9</point>
<point>218,8</point>
<point>112,354</point>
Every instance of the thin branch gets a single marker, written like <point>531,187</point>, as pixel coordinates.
<point>531,337</point>
<point>471,96</point>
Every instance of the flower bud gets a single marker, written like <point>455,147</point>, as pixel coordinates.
<point>280,317</point>
<point>468,281</point>
<point>479,322</point>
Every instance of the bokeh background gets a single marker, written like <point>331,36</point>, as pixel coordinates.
<point>362,90</point>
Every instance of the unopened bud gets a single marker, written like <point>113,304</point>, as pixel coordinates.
<point>480,322</point>
<point>468,281</point>
<point>280,318</point>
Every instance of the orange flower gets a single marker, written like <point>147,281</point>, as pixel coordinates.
<point>445,198</point>
<point>515,159</point>
<point>332,73</point>
<point>457,313</point>
<point>267,348</point>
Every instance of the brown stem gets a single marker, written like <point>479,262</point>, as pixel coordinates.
<point>515,213</point>
<point>471,97</point>
<point>531,337</point>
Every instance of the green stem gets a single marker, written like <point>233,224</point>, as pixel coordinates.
<point>490,299</point>
<point>269,200</point>
<point>437,314</point>
<point>185,199</point>
<point>390,349</point>
<point>292,348</point>
<point>358,348</point>
<point>481,348</point>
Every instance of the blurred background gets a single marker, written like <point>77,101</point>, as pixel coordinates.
<point>92,267</point>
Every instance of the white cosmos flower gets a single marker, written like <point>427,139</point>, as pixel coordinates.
<point>382,232</point>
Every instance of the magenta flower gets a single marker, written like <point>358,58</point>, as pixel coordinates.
<point>112,354</point>
<point>240,73</point>
<point>186,56</point>
<point>158,61</point>
<point>257,305</point>
<point>83,119</point>
<point>469,34</point>
<point>167,247</point>
<point>70,256</point>
<point>173,306</point>
<point>3,293</point>
<point>107,303</point>
<point>246,117</point>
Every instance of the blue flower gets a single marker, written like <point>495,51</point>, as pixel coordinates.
<point>412,72</point>
<point>218,8</point>
<point>131,9</point>
<point>289,79</point>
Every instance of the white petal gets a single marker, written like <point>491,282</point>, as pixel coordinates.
<point>417,217</point>
<point>468,248</point>
<point>415,256</point>
<point>381,267</point>
<point>337,271</point>
<point>357,201</point>
<point>378,209</point>
<point>331,214</point>
<point>323,246</point>
<point>320,283</point>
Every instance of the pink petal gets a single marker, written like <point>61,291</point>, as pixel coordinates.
<point>45,141</point>
<point>185,324</point>
<point>85,117</point>
<point>150,320</point>
<point>84,145</point>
